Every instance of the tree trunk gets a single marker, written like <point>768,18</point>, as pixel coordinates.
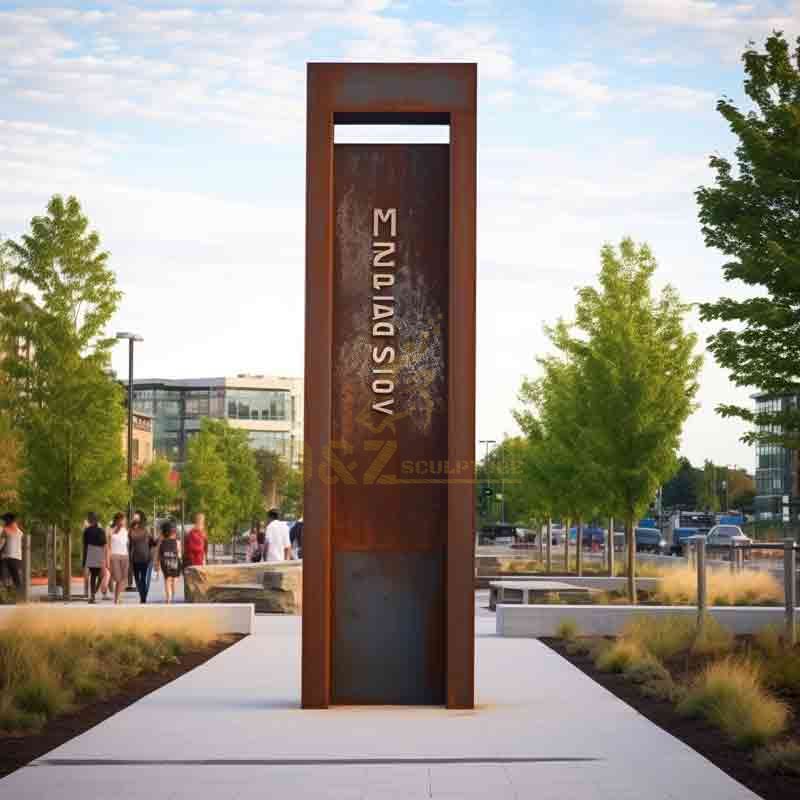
<point>549,545</point>
<point>579,549</point>
<point>610,547</point>
<point>630,541</point>
<point>566,547</point>
<point>51,562</point>
<point>66,570</point>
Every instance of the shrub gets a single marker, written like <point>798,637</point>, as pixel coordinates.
<point>713,639</point>
<point>663,637</point>
<point>567,629</point>
<point>49,660</point>
<point>730,695</point>
<point>783,758</point>
<point>768,641</point>
<point>41,696</point>
<point>620,656</point>
<point>782,671</point>
<point>663,689</point>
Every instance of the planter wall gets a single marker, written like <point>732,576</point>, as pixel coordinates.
<point>535,621</point>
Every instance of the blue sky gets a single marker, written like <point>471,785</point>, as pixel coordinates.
<point>180,126</point>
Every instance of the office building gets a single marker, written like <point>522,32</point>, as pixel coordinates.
<point>269,408</point>
<point>142,441</point>
<point>776,466</point>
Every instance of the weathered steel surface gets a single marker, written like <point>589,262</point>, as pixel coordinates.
<point>390,498</point>
<point>388,641</point>
<point>401,503</point>
<point>400,93</point>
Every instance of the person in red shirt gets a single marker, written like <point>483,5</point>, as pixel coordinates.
<point>196,543</point>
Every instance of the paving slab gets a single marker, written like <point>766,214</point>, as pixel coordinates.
<point>232,729</point>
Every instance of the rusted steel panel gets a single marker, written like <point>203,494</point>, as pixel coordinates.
<point>389,512</point>
<point>391,487</point>
<point>388,640</point>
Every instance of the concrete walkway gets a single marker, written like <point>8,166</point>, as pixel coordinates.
<point>542,730</point>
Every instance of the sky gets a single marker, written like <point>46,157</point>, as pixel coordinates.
<point>180,126</point>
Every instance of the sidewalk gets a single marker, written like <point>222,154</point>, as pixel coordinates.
<point>542,730</point>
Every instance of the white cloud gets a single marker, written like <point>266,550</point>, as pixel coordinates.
<point>582,88</point>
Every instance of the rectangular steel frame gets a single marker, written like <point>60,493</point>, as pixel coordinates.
<point>378,94</point>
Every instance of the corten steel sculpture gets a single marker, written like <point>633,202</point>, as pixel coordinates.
<point>388,594</point>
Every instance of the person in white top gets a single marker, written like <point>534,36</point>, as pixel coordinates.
<point>120,554</point>
<point>11,551</point>
<point>278,543</point>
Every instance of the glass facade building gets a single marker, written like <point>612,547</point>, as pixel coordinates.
<point>268,409</point>
<point>776,466</point>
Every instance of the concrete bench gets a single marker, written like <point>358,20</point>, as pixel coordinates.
<point>507,591</point>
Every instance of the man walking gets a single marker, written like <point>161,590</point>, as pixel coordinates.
<point>279,545</point>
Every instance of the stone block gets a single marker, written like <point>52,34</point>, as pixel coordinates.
<point>274,587</point>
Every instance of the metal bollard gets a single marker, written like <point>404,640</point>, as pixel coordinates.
<point>734,556</point>
<point>700,559</point>
<point>790,586</point>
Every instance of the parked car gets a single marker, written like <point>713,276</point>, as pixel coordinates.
<point>650,540</point>
<point>726,535</point>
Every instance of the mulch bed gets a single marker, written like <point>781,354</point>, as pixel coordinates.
<point>699,735</point>
<point>17,751</point>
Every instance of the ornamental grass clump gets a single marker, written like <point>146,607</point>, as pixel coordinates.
<point>730,695</point>
<point>567,629</point>
<point>678,586</point>
<point>663,637</point>
<point>781,759</point>
<point>51,663</point>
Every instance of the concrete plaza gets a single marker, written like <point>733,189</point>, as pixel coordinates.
<point>233,730</point>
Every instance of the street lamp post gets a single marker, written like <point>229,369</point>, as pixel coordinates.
<point>487,442</point>
<point>131,337</point>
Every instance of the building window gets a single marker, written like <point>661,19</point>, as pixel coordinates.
<point>257,404</point>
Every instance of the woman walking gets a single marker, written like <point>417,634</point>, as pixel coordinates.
<point>95,553</point>
<point>11,551</point>
<point>119,554</point>
<point>169,557</point>
<point>142,544</point>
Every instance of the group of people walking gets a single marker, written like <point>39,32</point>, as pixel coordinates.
<point>279,542</point>
<point>109,554</point>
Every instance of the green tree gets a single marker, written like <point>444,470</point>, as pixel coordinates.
<point>220,477</point>
<point>752,215</point>
<point>205,481</point>
<point>709,495</point>
<point>639,370</point>
<point>273,472</point>
<point>240,463</point>
<point>558,402</point>
<point>680,491</point>
<point>292,501</point>
<point>71,411</point>
<point>154,487</point>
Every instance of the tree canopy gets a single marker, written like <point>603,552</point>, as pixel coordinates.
<point>606,415</point>
<point>752,215</point>
<point>220,477</point>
